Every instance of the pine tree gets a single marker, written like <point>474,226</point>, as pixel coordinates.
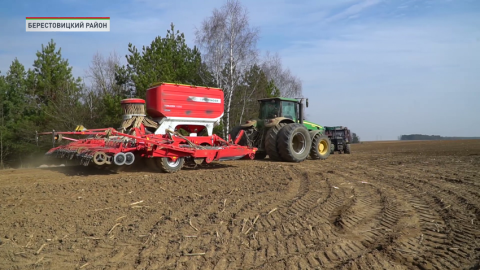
<point>167,59</point>
<point>3,130</point>
<point>13,114</point>
<point>57,94</point>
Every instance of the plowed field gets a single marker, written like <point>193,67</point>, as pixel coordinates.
<point>388,205</point>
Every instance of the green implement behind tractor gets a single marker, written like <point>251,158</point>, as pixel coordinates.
<point>281,132</point>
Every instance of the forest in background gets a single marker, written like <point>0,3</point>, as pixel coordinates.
<point>46,96</point>
<point>422,137</point>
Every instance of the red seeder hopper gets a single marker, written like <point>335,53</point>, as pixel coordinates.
<point>178,129</point>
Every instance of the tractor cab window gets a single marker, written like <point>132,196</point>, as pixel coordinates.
<point>270,109</point>
<point>289,110</point>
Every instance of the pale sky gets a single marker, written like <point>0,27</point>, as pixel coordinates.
<point>383,68</point>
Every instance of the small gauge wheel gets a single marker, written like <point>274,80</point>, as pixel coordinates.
<point>100,158</point>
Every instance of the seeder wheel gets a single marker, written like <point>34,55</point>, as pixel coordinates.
<point>100,158</point>
<point>169,165</point>
<point>119,159</point>
<point>129,158</point>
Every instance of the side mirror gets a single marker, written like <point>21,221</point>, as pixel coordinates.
<point>307,102</point>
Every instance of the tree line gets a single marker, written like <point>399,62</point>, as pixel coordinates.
<point>355,138</point>
<point>422,137</point>
<point>48,97</point>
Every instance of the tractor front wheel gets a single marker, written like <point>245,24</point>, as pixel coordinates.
<point>169,165</point>
<point>294,143</point>
<point>347,148</point>
<point>321,147</point>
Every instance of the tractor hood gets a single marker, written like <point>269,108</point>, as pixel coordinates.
<point>312,126</point>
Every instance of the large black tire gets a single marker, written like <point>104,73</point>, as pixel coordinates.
<point>294,142</point>
<point>271,146</point>
<point>168,166</point>
<point>321,147</point>
<point>347,148</point>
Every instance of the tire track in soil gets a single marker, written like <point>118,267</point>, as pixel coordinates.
<point>224,239</point>
<point>453,202</point>
<point>343,234</point>
<point>246,248</point>
<point>251,246</point>
<point>287,239</point>
<point>443,242</point>
<point>457,179</point>
<point>348,244</point>
<point>319,220</point>
<point>288,223</point>
<point>378,238</point>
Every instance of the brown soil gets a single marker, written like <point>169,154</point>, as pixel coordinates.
<point>390,205</point>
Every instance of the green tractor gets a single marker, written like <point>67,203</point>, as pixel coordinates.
<point>281,132</point>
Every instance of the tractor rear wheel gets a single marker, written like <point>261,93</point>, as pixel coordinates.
<point>321,147</point>
<point>271,142</point>
<point>169,165</point>
<point>294,142</point>
<point>347,148</point>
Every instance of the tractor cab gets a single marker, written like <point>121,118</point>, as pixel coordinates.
<point>271,108</point>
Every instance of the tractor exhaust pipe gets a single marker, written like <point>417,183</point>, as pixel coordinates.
<point>301,113</point>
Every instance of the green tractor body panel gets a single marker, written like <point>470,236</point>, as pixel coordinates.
<point>312,126</point>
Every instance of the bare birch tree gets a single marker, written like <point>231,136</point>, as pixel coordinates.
<point>102,74</point>
<point>229,45</point>
<point>102,95</point>
<point>288,84</point>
